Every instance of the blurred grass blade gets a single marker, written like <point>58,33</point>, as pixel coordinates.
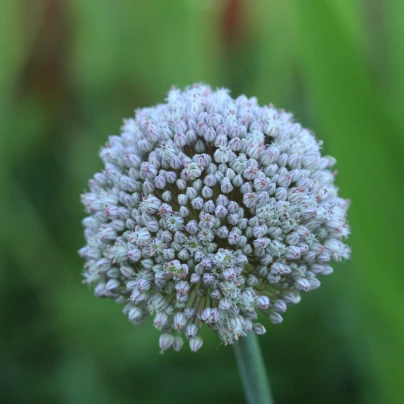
<point>276,66</point>
<point>365,143</point>
<point>394,10</point>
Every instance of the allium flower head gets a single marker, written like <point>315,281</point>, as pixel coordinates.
<point>209,210</point>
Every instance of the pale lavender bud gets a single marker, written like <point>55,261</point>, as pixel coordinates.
<point>180,321</point>
<point>197,203</point>
<point>206,263</point>
<point>182,287</point>
<point>215,294</point>
<point>191,331</point>
<point>262,197</point>
<point>210,316</point>
<point>234,311</point>
<point>195,278</point>
<point>252,280</point>
<point>167,196</point>
<point>224,304</point>
<point>236,144</point>
<point>279,306</point>
<point>143,285</point>
<point>263,302</point>
<point>191,227</point>
<point>302,284</point>
<point>222,200</point>
<point>135,314</point>
<point>280,269</point>
<point>210,135</point>
<point>233,219</point>
<point>292,238</point>
<point>210,180</point>
<point>241,260</point>
<point>200,146</point>
<point>191,193</point>
<point>266,260</point>
<point>262,242</point>
<point>161,321</point>
<point>182,199</point>
<point>208,279</point>
<point>160,182</point>
<point>126,271</point>
<point>148,187</point>
<point>181,298</point>
<point>170,177</point>
<point>221,140</point>
<point>275,318</point>
<point>220,211</point>
<point>100,290</point>
<point>309,256</point>
<point>195,343</point>
<point>327,270</point>
<point>137,296</point>
<point>226,186</point>
<point>323,258</point>
<point>152,226</point>
<point>242,223</point>
<point>262,271</point>
<point>314,283</point>
<point>180,237</point>
<point>207,192</point>
<point>134,255</point>
<point>281,194</point>
<point>259,231</point>
<point>310,162</point>
<point>112,284</point>
<point>189,312</point>
<point>292,297</point>
<point>157,302</point>
<point>282,159</point>
<point>292,253</point>
<point>197,184</point>
<point>166,341</point>
<point>184,211</point>
<point>250,199</point>
<point>246,188</point>
<point>178,343</point>
<point>181,184</point>
<point>284,180</point>
<point>229,274</point>
<point>247,324</point>
<point>259,329</point>
<point>209,207</point>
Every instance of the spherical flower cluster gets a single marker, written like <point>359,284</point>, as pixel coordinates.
<point>210,210</point>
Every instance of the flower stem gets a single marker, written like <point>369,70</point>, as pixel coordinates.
<point>252,371</point>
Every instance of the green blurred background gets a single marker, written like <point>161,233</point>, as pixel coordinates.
<point>71,70</point>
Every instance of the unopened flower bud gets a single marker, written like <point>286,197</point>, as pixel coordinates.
<point>263,302</point>
<point>275,318</point>
<point>259,329</point>
<point>166,341</point>
<point>195,343</point>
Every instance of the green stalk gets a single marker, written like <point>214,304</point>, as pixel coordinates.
<point>252,371</point>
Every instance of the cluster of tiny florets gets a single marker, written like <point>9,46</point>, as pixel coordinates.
<point>209,210</point>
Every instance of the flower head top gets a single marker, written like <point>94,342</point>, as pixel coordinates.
<point>209,210</point>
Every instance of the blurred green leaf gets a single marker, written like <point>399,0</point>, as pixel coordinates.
<point>72,70</point>
<point>275,79</point>
<point>359,133</point>
<point>393,24</point>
